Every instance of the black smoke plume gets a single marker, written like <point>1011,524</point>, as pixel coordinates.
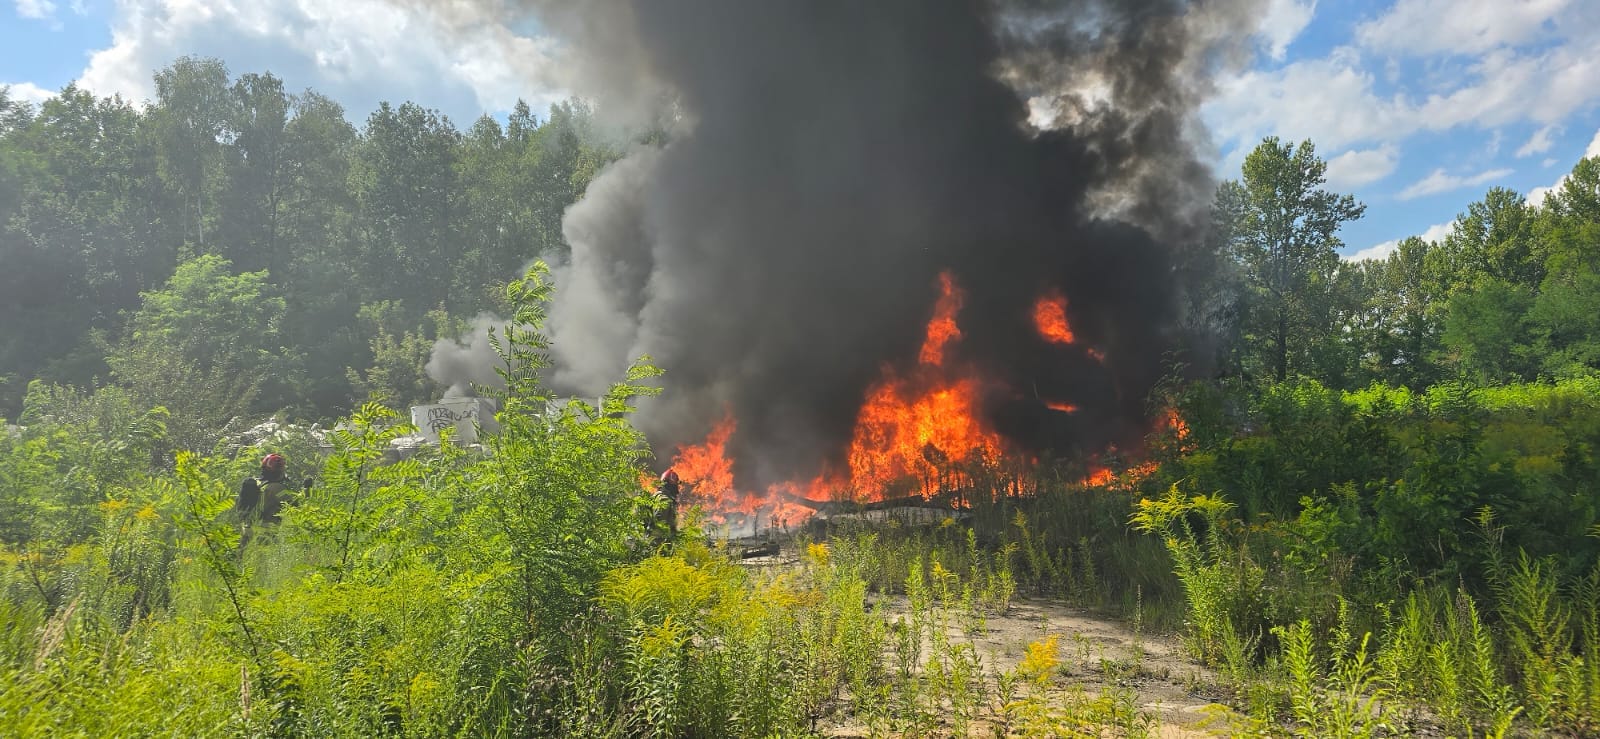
<point>828,159</point>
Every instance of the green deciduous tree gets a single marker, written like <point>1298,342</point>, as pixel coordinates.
<point>255,165</point>
<point>1495,238</point>
<point>405,185</point>
<point>1487,331</point>
<point>190,121</point>
<point>1400,326</point>
<point>1282,227</point>
<point>562,484</point>
<point>208,348</point>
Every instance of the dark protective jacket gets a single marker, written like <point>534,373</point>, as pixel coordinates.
<point>669,515</point>
<point>261,498</point>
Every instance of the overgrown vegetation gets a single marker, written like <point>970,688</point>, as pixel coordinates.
<point>511,593</point>
<point>1378,519</point>
<point>1388,560</point>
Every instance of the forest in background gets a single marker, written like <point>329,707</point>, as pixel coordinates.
<point>256,244</point>
<point>1406,449</point>
<point>279,259</point>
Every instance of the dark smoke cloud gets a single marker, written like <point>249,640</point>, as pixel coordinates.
<point>831,158</point>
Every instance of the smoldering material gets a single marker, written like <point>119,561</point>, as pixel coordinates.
<point>830,158</point>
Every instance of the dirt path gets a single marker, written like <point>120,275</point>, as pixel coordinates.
<point>1099,653</point>
<point>1175,697</point>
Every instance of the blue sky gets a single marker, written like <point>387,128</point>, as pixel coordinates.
<point>1419,105</point>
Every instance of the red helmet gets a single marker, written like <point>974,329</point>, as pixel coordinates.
<point>669,476</point>
<point>273,462</point>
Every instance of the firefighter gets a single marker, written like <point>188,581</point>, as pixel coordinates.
<point>261,497</point>
<point>669,489</point>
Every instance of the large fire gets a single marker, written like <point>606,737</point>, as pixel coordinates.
<point>708,471</point>
<point>913,433</point>
<point>919,427</point>
<point>916,431</point>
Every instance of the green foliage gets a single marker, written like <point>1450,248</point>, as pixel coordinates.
<point>561,482</point>
<point>1453,525</point>
<point>362,504</point>
<point>1508,295</point>
<point>79,450</point>
<point>101,201</point>
<point>1486,327</point>
<point>398,374</point>
<point>1282,227</point>
<point>378,606</point>
<point>1222,582</point>
<point>207,348</point>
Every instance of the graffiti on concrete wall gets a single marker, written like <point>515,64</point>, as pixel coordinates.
<point>461,415</point>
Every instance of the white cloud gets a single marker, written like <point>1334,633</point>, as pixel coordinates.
<point>1283,22</point>
<point>1376,251</point>
<point>1330,101</point>
<point>27,92</point>
<point>1537,195</point>
<point>1433,234</point>
<point>1438,181</point>
<point>1532,61</point>
<point>1426,27</point>
<point>1539,143</point>
<point>36,9</point>
<point>1509,87</point>
<point>458,58</point>
<point>1355,168</point>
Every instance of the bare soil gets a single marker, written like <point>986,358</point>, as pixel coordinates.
<point>1098,652</point>
<point>1178,695</point>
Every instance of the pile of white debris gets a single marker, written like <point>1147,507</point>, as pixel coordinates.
<point>274,432</point>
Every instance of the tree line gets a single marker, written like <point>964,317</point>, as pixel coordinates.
<point>1512,293</point>
<point>231,250</point>
<point>231,247</point>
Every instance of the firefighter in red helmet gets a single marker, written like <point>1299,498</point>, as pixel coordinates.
<point>261,497</point>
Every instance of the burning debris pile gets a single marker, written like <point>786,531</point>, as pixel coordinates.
<point>916,437</point>
<point>885,244</point>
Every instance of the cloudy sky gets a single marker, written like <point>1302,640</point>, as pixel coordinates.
<point>1418,105</point>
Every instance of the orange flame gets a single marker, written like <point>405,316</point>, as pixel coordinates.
<point>915,428</point>
<point>942,329</point>
<point>1175,423</point>
<point>1050,318</point>
<point>1099,477</point>
<point>919,427</point>
<point>1137,473</point>
<point>707,476</point>
<point>902,434</point>
<point>705,468</point>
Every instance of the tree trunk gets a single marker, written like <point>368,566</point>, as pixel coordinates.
<point>1283,344</point>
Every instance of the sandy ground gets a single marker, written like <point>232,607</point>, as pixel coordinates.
<point>1177,694</point>
<point>1098,652</point>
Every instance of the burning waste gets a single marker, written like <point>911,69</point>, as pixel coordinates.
<point>883,247</point>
